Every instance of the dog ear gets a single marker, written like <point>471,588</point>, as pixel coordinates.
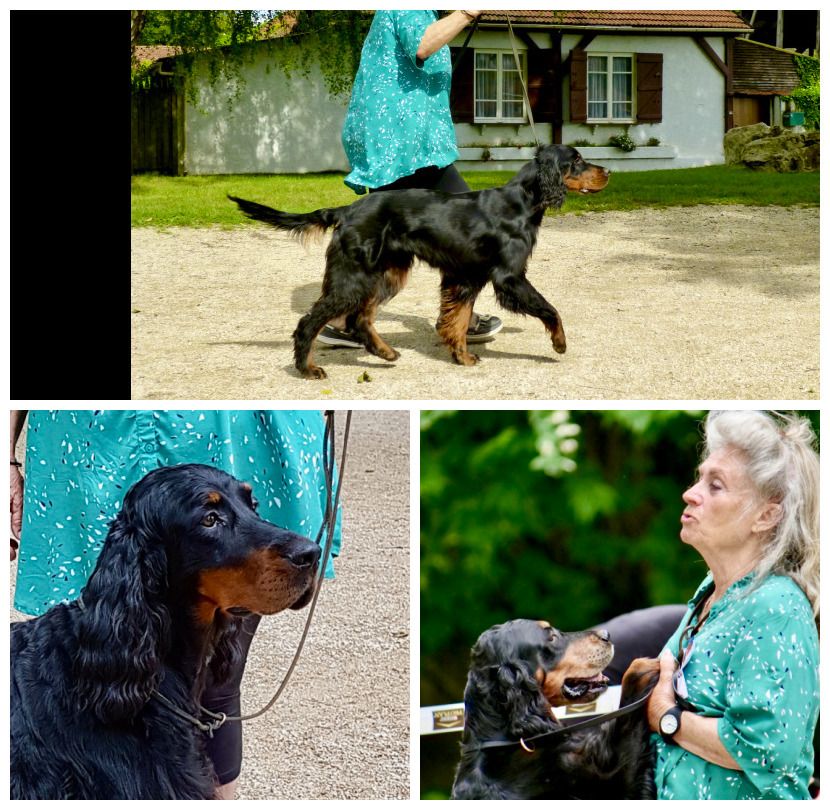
<point>124,626</point>
<point>527,710</point>
<point>551,183</point>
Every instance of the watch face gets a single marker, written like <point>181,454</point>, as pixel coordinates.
<point>668,724</point>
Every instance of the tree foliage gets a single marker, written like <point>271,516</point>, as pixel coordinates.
<point>222,39</point>
<point>807,96</point>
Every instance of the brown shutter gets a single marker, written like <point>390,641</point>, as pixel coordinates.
<point>650,87</point>
<point>461,93</point>
<point>541,84</point>
<point>579,86</point>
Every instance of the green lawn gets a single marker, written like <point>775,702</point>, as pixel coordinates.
<point>201,202</point>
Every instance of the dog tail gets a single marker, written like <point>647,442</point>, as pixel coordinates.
<point>301,226</point>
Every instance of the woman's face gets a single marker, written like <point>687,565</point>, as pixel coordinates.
<point>722,507</point>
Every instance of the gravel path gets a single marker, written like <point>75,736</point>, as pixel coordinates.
<point>707,302</point>
<point>341,728</point>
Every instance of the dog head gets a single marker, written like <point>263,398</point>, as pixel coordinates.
<point>562,169</point>
<point>521,669</point>
<point>186,550</point>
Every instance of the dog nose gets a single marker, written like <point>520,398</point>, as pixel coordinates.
<point>306,555</point>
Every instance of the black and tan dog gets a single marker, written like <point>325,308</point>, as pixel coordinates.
<point>520,670</point>
<point>472,238</point>
<point>105,690</point>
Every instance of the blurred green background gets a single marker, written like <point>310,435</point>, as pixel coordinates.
<point>568,516</point>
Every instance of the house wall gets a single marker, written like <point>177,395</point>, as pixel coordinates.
<point>694,98</point>
<point>690,134</point>
<point>281,125</point>
<point>278,125</point>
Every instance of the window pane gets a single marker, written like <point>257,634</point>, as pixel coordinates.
<point>622,95</point>
<point>486,85</point>
<point>485,109</point>
<point>597,87</point>
<point>622,64</point>
<point>597,64</point>
<point>486,61</point>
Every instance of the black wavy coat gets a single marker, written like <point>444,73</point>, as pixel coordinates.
<point>83,721</point>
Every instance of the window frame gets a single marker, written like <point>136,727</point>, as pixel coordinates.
<point>499,118</point>
<point>609,119</point>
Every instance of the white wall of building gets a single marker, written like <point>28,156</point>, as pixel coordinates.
<point>278,125</point>
<point>282,125</point>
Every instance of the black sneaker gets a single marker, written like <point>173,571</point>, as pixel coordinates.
<point>483,328</point>
<point>335,337</point>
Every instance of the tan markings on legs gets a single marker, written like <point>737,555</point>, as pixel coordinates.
<point>453,323</point>
<point>379,346</point>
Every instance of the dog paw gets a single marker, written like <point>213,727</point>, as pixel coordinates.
<point>640,676</point>
<point>391,355</point>
<point>465,358</point>
<point>559,344</point>
<point>313,373</point>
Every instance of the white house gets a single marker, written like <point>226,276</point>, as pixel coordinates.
<point>664,78</point>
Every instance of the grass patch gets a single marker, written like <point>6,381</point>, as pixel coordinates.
<point>201,201</point>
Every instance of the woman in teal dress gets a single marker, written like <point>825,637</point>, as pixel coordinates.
<point>80,464</point>
<point>737,702</point>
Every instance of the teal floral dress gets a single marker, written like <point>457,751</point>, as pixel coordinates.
<point>80,464</point>
<point>398,119</point>
<point>754,665</point>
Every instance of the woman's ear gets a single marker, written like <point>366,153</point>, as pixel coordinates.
<point>768,518</point>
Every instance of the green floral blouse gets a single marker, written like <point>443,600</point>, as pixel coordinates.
<point>80,464</point>
<point>398,119</point>
<point>754,665</point>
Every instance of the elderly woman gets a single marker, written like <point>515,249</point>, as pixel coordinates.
<point>737,702</point>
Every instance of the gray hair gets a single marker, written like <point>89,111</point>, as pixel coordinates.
<point>783,466</point>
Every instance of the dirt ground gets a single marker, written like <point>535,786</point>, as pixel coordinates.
<point>341,728</point>
<point>708,302</point>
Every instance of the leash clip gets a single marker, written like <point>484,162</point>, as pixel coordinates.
<point>215,725</point>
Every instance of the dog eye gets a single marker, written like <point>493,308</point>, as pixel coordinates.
<point>210,519</point>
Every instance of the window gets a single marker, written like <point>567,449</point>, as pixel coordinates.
<point>610,88</point>
<point>498,88</point>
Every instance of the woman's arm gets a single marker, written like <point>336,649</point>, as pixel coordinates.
<point>15,482</point>
<point>442,31</point>
<point>698,735</point>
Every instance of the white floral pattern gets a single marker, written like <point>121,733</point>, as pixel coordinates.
<point>754,665</point>
<point>398,119</point>
<point>80,464</point>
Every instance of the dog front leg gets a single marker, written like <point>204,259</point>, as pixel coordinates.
<point>516,293</point>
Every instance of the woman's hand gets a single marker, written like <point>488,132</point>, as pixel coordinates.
<point>662,698</point>
<point>442,31</point>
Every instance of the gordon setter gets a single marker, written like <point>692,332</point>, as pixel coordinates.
<point>520,670</point>
<point>184,561</point>
<point>472,238</point>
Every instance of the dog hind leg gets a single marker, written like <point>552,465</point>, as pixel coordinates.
<point>456,310</point>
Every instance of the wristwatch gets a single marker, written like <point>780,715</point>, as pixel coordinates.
<point>670,723</point>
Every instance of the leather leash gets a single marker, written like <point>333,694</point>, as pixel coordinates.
<point>560,732</point>
<point>218,719</point>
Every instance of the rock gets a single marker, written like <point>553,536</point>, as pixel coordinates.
<point>772,148</point>
<point>738,137</point>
